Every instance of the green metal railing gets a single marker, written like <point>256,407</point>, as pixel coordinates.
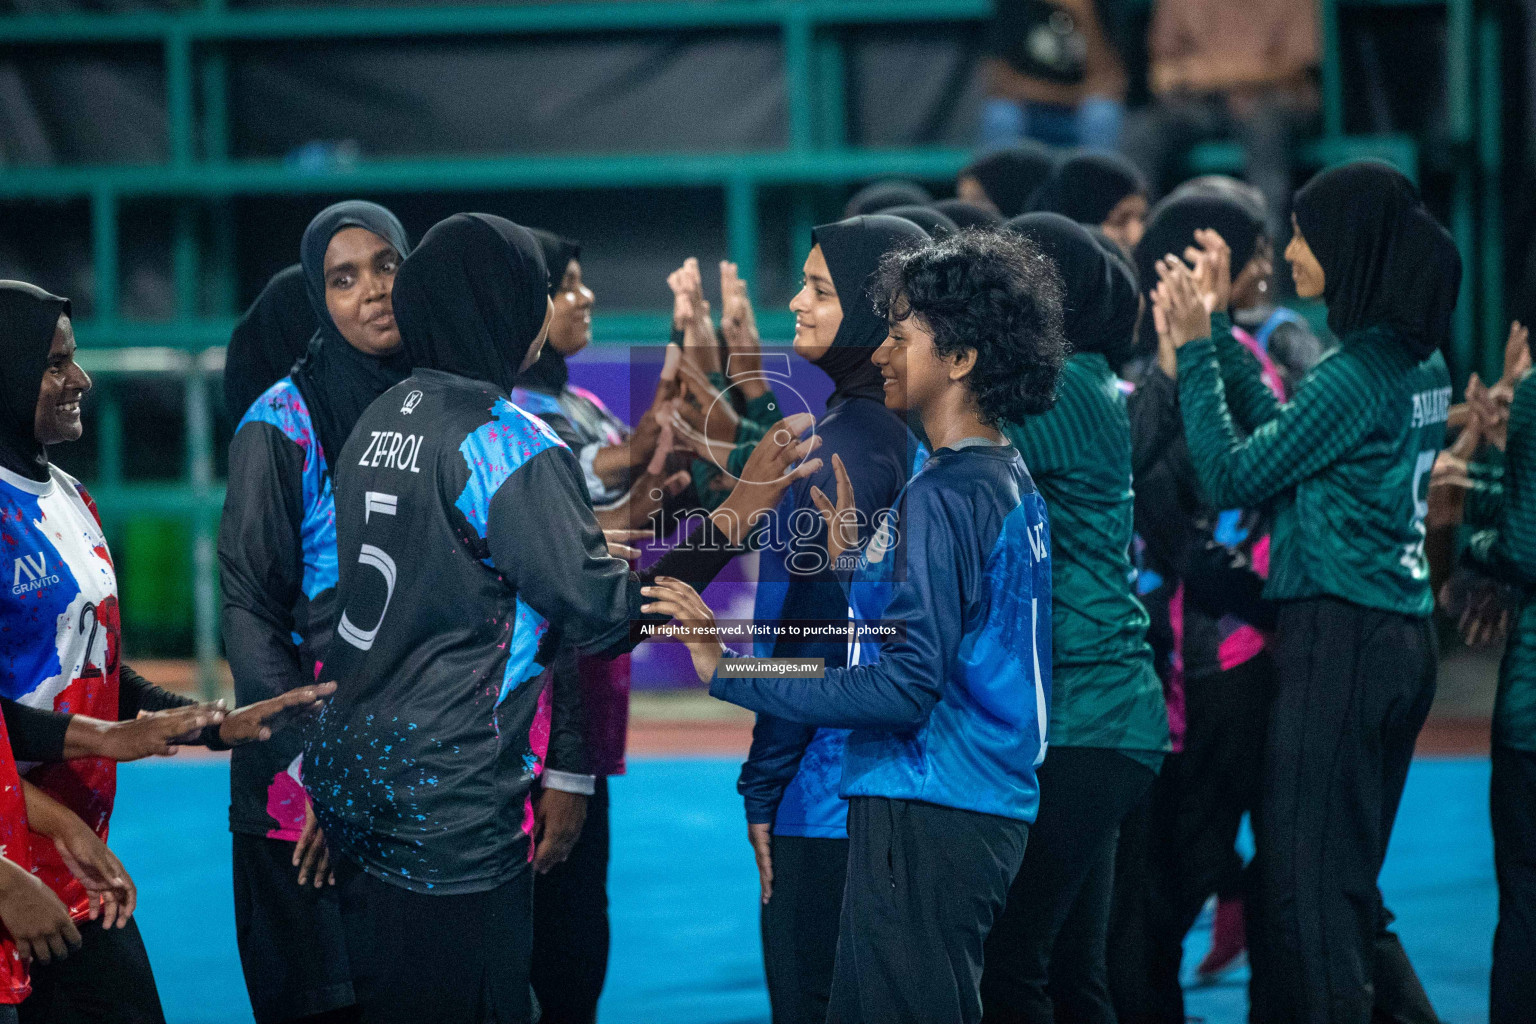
<point>201,178</point>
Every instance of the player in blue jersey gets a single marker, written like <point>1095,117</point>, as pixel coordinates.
<point>948,718</point>
<point>796,820</point>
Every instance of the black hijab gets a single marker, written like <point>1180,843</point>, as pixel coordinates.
<point>925,217</point>
<point>1386,261</point>
<point>549,373</point>
<point>1011,175</point>
<point>1172,224</point>
<point>28,316</point>
<point>1085,187</point>
<point>882,195</point>
<point>853,249</point>
<point>968,215</point>
<point>472,297</point>
<point>1101,301</point>
<point>339,382</point>
<point>268,340</point>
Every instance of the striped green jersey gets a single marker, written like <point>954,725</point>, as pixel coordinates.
<point>1507,549</point>
<point>1104,691</point>
<point>1346,463</point>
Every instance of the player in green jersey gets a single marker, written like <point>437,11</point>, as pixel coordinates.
<point>1346,466</point>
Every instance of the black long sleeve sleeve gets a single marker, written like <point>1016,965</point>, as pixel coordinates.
<point>260,563</point>
<point>567,575</point>
<point>36,735</point>
<point>1153,409</point>
<point>567,754</point>
<point>135,694</point>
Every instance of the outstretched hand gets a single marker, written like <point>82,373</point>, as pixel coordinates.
<point>693,623</point>
<point>254,722</point>
<point>618,542</point>
<point>768,472</point>
<point>154,734</point>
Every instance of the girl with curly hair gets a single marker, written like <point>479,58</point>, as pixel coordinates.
<point>949,713</point>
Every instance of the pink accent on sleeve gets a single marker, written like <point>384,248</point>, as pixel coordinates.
<point>1267,368</point>
<point>538,744</point>
<point>1174,692</point>
<point>286,800</point>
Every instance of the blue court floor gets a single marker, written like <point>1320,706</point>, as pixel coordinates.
<point>684,893</point>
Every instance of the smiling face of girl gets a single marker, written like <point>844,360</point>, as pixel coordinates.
<point>818,311</point>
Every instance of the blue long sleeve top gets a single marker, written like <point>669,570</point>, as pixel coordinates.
<point>793,771</point>
<point>953,710</point>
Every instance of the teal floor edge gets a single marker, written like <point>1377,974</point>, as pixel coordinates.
<point>683,891</point>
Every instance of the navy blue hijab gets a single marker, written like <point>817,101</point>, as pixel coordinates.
<point>338,381</point>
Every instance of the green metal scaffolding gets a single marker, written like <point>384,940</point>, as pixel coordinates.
<point>201,179</point>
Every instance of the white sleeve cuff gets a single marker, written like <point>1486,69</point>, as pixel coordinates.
<point>596,489</point>
<point>569,782</point>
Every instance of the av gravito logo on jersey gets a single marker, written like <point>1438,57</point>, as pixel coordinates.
<point>31,573</point>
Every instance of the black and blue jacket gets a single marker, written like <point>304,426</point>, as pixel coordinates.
<point>465,541</point>
<point>277,565</point>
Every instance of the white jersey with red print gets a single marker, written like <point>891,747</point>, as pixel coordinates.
<point>59,642</point>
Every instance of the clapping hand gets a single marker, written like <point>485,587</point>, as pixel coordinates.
<point>1517,354</point>
<point>690,313</point>
<point>704,408</point>
<point>1184,307</point>
<point>738,324</point>
<point>1212,262</point>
